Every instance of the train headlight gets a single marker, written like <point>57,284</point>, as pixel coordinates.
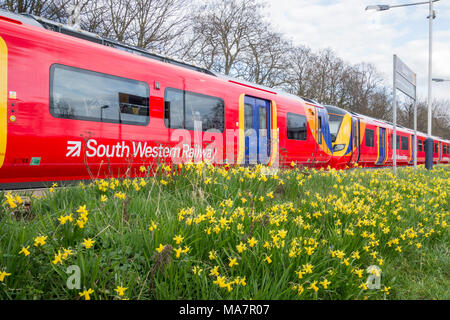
<point>338,147</point>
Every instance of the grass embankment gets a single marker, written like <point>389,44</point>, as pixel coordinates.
<point>209,233</point>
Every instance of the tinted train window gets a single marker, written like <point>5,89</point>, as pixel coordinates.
<point>183,108</point>
<point>87,95</point>
<point>296,126</point>
<point>435,148</point>
<point>397,146</point>
<point>420,145</point>
<point>248,119</point>
<point>404,143</point>
<point>370,138</point>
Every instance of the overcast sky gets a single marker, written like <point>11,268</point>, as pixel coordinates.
<point>357,35</point>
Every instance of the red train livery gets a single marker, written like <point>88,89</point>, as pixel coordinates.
<point>73,108</point>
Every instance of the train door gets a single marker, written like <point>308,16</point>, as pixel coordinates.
<point>440,151</point>
<point>381,146</point>
<point>257,135</point>
<point>311,118</point>
<point>413,141</point>
<point>354,138</point>
<point>323,137</point>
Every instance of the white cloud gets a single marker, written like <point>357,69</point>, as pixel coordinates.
<point>357,35</point>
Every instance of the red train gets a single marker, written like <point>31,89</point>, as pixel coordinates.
<point>74,106</point>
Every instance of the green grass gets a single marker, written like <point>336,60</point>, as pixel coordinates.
<point>298,217</point>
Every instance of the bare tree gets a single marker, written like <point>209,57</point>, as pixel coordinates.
<point>220,34</point>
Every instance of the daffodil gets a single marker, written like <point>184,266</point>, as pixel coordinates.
<point>86,294</point>
<point>178,239</point>
<point>252,242</point>
<point>88,243</point>
<point>25,251</point>
<point>40,241</point>
<point>120,291</point>
<point>325,283</point>
<point>233,262</point>
<point>3,274</point>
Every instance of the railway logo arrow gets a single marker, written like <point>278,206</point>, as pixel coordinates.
<point>73,149</point>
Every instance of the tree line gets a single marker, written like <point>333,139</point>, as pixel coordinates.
<point>234,37</point>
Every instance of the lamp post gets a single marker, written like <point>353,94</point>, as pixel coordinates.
<point>429,140</point>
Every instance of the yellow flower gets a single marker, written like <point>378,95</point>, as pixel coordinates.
<point>214,271</point>
<point>120,291</point>
<point>25,251</point>
<point>313,286</point>
<point>153,226</point>
<point>81,223</point>
<point>40,241</point>
<point>82,210</point>
<point>103,198</point>
<point>325,283</point>
<point>197,270</point>
<point>268,260</point>
<point>86,294</point>
<point>252,242</point>
<point>386,290</point>
<point>18,199</point>
<point>160,248</point>
<point>3,274</point>
<point>355,255</point>
<point>52,189</point>
<point>300,290</point>
<point>307,268</point>
<point>142,169</point>
<point>186,249</point>
<point>178,252</point>
<point>67,253</point>
<point>120,195</point>
<point>88,243</point>
<point>212,255</point>
<point>64,219</point>
<point>178,239</point>
<point>241,247</point>
<point>233,262</point>
<point>57,258</point>
<point>282,233</point>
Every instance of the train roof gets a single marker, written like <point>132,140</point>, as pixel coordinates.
<point>89,36</point>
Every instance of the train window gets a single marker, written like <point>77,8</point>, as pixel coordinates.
<point>435,148</point>
<point>370,138</point>
<point>248,119</point>
<point>296,126</point>
<point>420,145</point>
<point>173,109</point>
<point>334,121</point>
<point>87,95</point>
<point>184,108</point>
<point>397,146</point>
<point>404,143</point>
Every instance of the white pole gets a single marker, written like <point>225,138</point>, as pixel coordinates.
<point>430,71</point>
<point>394,135</point>
<point>415,131</point>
